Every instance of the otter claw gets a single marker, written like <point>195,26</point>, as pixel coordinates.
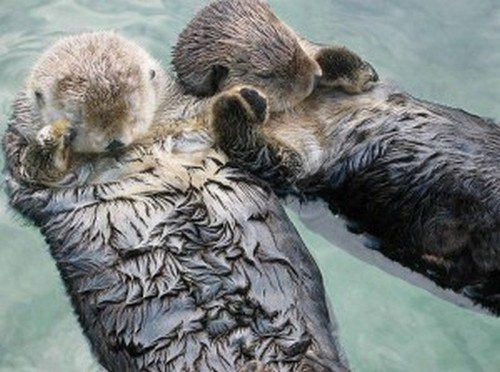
<point>244,103</point>
<point>46,136</point>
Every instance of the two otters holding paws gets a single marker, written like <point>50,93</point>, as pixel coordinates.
<point>174,256</point>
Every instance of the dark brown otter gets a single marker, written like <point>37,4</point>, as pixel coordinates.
<point>232,42</point>
<point>174,260</point>
<point>422,177</point>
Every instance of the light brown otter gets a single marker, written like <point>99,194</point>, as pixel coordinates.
<point>173,260</point>
<point>421,177</point>
<point>233,42</point>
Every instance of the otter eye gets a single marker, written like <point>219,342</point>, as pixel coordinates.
<point>266,75</point>
<point>152,74</point>
<point>39,98</point>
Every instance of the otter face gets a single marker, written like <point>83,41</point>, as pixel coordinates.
<point>234,42</point>
<point>106,87</point>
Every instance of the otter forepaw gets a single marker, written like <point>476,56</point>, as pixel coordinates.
<point>345,69</point>
<point>53,142</point>
<point>256,102</point>
<point>55,135</point>
<point>242,105</point>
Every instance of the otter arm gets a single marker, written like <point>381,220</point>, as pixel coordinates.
<point>310,47</point>
<point>34,158</point>
<point>236,117</point>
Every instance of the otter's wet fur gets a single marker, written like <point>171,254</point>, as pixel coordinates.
<point>173,259</point>
<point>421,177</point>
<point>233,42</point>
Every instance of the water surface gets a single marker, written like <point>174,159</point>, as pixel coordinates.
<point>443,50</point>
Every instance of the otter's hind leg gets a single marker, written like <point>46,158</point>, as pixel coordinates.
<point>238,116</point>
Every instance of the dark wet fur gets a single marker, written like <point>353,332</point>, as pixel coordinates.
<point>425,180</point>
<point>178,276</point>
<point>422,177</point>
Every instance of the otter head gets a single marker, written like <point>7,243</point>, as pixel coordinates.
<point>232,42</point>
<point>106,87</point>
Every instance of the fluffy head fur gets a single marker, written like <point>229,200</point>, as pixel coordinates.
<point>242,41</point>
<point>110,100</point>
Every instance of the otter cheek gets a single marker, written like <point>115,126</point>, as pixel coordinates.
<point>312,75</point>
<point>90,142</point>
<point>276,103</point>
<point>133,132</point>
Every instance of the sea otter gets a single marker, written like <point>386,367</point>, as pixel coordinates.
<point>421,177</point>
<point>173,260</point>
<point>233,42</point>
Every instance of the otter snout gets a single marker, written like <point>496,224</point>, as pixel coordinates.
<point>115,145</point>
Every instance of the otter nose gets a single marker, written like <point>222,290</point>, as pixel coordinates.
<point>115,145</point>
<point>316,81</point>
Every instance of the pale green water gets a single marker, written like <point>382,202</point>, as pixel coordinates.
<point>444,50</point>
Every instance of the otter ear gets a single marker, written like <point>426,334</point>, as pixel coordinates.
<point>211,82</point>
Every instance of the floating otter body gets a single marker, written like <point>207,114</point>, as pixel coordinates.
<point>420,176</point>
<point>173,259</point>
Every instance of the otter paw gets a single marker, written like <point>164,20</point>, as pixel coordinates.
<point>257,103</point>
<point>345,69</point>
<point>56,135</point>
<point>241,105</point>
<point>53,141</point>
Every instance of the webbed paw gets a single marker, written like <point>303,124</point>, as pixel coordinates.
<point>53,141</point>
<point>345,69</point>
<point>240,105</point>
<point>55,135</point>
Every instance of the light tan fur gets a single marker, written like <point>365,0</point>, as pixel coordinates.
<point>112,99</point>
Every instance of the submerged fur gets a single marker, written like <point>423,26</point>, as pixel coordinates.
<point>174,260</point>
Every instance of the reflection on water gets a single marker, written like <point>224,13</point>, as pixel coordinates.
<point>442,50</point>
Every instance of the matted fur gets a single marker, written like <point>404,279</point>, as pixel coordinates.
<point>174,260</point>
<point>421,177</point>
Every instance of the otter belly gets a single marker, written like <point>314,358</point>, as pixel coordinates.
<point>189,265</point>
<point>424,179</point>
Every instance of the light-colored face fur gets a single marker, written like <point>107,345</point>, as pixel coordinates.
<point>107,87</point>
<point>243,42</point>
